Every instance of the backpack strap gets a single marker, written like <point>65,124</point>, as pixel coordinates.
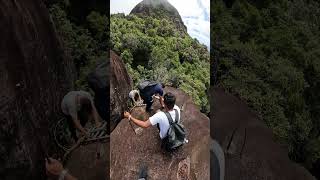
<point>177,116</point>
<point>169,117</point>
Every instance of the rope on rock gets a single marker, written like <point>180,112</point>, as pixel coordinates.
<point>95,134</point>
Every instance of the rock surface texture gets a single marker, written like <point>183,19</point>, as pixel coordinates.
<point>120,86</point>
<point>250,150</point>
<point>129,151</point>
<point>34,76</point>
<point>90,161</point>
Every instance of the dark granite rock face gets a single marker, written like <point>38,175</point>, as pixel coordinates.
<point>250,150</point>
<point>120,86</point>
<point>162,9</point>
<point>34,76</point>
<point>90,161</point>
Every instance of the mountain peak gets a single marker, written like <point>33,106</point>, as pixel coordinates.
<point>159,9</point>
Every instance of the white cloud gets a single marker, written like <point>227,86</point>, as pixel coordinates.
<point>194,13</point>
<point>122,6</point>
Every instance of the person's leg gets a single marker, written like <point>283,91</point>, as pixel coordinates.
<point>71,127</point>
<point>148,107</point>
<point>143,172</point>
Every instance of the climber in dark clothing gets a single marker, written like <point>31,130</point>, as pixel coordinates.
<point>148,92</point>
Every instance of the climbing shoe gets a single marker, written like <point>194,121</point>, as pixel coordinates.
<point>143,173</point>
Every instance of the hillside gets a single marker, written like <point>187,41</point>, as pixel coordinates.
<point>157,47</point>
<point>84,34</point>
<point>160,9</point>
<point>267,53</point>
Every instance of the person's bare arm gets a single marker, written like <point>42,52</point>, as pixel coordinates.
<point>74,116</point>
<point>161,101</point>
<point>96,115</point>
<point>55,168</point>
<point>143,124</point>
<point>69,177</point>
<point>77,124</point>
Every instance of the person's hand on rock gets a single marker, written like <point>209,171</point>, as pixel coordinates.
<point>98,124</point>
<point>54,168</point>
<point>126,114</point>
<point>85,133</point>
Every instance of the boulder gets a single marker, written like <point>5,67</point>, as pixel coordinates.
<point>120,86</point>
<point>250,150</point>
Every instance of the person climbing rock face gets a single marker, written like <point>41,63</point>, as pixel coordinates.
<point>78,107</point>
<point>160,118</point>
<point>135,97</point>
<point>149,89</point>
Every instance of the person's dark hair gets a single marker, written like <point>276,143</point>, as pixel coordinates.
<point>85,110</point>
<point>136,96</point>
<point>163,85</point>
<point>169,100</point>
<point>85,105</point>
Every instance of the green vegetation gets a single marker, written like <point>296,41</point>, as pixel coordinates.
<point>153,48</point>
<point>268,53</point>
<point>84,38</point>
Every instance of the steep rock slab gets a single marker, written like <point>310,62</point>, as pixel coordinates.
<point>250,150</point>
<point>129,151</point>
<point>120,86</point>
<point>34,76</point>
<point>90,161</point>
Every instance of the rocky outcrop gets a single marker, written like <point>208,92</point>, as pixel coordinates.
<point>90,161</point>
<point>130,150</point>
<point>250,150</point>
<point>120,86</point>
<point>160,9</point>
<point>34,76</point>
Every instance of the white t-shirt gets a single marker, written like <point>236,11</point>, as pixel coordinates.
<point>161,118</point>
<point>69,105</point>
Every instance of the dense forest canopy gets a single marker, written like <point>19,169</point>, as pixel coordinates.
<point>268,53</point>
<point>154,48</point>
<point>83,29</point>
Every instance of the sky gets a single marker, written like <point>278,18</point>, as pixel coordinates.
<point>195,15</point>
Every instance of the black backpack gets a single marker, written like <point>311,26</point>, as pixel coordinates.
<point>146,84</point>
<point>176,133</point>
<point>98,81</point>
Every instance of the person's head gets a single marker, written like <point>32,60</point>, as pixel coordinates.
<point>169,100</point>
<point>136,96</point>
<point>163,85</point>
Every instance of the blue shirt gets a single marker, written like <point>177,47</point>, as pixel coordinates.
<point>157,89</point>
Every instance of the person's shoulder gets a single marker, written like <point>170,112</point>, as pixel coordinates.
<point>158,114</point>
<point>68,96</point>
<point>176,107</point>
<point>84,93</point>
